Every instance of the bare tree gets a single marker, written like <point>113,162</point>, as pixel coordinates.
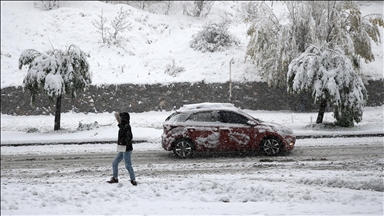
<point>100,25</point>
<point>119,24</point>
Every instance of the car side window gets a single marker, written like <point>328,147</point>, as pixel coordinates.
<point>232,117</point>
<point>204,117</point>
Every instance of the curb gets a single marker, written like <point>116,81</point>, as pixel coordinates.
<point>141,141</point>
<point>338,136</point>
<point>67,143</point>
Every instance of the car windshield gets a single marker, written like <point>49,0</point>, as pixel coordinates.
<point>176,117</point>
<point>249,116</point>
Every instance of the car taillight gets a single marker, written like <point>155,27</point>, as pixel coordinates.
<point>167,128</point>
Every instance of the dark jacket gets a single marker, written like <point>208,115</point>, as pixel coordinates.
<point>125,133</point>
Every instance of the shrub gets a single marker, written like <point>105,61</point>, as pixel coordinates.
<point>213,37</point>
<point>173,70</point>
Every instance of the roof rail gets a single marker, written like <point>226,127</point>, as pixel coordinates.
<point>206,105</point>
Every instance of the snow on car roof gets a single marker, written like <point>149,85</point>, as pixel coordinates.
<point>206,105</point>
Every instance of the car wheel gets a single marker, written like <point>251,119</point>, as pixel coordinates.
<point>183,148</point>
<point>271,147</point>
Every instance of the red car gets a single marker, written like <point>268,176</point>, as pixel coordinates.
<point>222,127</point>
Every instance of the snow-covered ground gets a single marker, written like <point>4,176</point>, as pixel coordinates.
<point>242,186</point>
<point>155,41</point>
<point>77,127</point>
<point>300,183</point>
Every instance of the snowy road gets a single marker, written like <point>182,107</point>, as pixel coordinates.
<point>353,155</point>
<point>344,176</point>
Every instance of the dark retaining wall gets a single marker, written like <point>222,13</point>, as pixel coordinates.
<point>141,98</point>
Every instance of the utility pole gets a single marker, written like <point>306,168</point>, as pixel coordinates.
<point>230,80</point>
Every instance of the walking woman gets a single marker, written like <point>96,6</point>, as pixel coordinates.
<point>124,148</point>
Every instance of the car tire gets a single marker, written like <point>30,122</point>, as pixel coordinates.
<point>271,146</point>
<point>183,148</point>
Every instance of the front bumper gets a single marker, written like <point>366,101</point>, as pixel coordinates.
<point>290,143</point>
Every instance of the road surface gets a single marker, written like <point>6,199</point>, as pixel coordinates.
<point>356,154</point>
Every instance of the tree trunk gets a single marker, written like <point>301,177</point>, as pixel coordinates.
<point>320,115</point>
<point>57,113</point>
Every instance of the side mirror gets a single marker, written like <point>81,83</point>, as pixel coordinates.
<point>252,123</point>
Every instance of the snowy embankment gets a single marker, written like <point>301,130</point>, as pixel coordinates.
<point>78,127</point>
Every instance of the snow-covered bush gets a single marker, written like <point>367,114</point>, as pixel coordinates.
<point>213,37</point>
<point>89,126</point>
<point>173,70</point>
<point>33,130</point>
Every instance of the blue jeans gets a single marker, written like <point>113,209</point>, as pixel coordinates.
<point>128,164</point>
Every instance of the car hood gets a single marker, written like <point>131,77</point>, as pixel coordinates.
<point>274,127</point>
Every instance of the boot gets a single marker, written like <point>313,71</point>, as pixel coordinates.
<point>133,182</point>
<point>113,180</point>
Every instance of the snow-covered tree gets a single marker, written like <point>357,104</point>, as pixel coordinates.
<point>316,46</point>
<point>331,77</point>
<point>47,4</point>
<point>57,73</point>
<point>199,8</point>
<point>167,5</point>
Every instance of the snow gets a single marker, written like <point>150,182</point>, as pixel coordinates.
<point>155,42</point>
<point>148,126</point>
<point>294,190</point>
<point>206,105</point>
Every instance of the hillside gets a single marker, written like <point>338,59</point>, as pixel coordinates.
<point>155,41</point>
